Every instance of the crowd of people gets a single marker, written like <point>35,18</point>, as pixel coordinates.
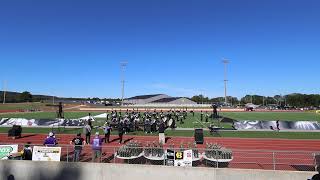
<point>149,122</point>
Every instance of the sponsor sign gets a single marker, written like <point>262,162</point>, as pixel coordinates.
<point>183,158</point>
<point>6,150</point>
<point>46,153</point>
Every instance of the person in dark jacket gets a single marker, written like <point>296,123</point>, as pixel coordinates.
<point>26,153</point>
<point>120,131</point>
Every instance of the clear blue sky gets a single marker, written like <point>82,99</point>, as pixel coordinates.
<point>73,48</point>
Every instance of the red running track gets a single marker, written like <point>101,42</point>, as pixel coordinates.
<point>279,154</point>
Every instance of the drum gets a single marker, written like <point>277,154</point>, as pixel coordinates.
<point>170,122</point>
<point>136,120</point>
<point>165,119</point>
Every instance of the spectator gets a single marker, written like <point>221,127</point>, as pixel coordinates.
<point>107,132</point>
<point>96,148</point>
<point>162,138</point>
<point>26,153</point>
<point>317,176</point>
<point>50,140</point>
<point>78,143</point>
<point>87,131</point>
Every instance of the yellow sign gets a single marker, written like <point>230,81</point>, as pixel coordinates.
<point>179,155</point>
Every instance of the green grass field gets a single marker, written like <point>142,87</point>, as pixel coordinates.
<point>191,122</point>
<point>24,106</point>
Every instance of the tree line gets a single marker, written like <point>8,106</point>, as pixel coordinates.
<point>16,97</point>
<point>291,100</point>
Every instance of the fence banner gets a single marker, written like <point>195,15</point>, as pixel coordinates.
<point>41,122</point>
<point>46,153</point>
<point>283,125</point>
<point>183,159</point>
<point>6,150</point>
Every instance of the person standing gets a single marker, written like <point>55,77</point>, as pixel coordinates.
<point>90,123</point>
<point>78,143</point>
<point>96,148</point>
<point>162,138</point>
<point>278,125</point>
<point>87,131</point>
<point>207,117</point>
<point>26,153</point>
<point>50,141</point>
<point>107,131</point>
<point>120,131</point>
<point>201,116</point>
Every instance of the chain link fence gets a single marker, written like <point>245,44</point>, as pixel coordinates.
<point>240,159</point>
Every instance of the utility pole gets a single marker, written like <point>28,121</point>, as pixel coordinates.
<point>4,92</point>
<point>225,62</point>
<point>123,66</point>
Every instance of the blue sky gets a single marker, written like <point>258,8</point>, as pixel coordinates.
<point>74,48</point>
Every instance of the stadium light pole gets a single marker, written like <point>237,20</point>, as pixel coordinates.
<point>225,62</point>
<point>123,66</point>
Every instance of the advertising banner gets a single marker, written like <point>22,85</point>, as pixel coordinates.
<point>46,153</point>
<point>6,150</point>
<point>183,159</point>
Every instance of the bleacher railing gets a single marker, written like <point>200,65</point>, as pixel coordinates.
<point>240,159</point>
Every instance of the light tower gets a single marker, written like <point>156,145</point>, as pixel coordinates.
<point>123,66</point>
<point>225,62</point>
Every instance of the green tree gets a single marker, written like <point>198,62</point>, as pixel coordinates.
<point>25,97</point>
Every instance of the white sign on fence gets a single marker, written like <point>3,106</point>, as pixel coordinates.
<point>46,153</point>
<point>6,150</point>
<point>183,159</point>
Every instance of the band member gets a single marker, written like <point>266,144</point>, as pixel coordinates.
<point>278,125</point>
<point>90,122</point>
<point>173,125</point>
<point>107,131</point>
<point>87,131</point>
<point>207,117</point>
<point>120,131</point>
<point>201,116</point>
<point>215,111</point>
<point>147,126</point>
<point>153,126</point>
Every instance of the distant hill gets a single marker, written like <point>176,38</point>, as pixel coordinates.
<point>17,97</point>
